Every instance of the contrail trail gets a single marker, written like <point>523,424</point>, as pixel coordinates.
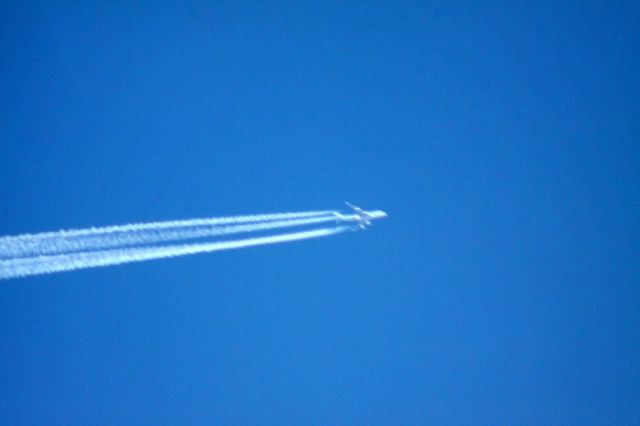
<point>8,243</point>
<point>33,254</point>
<point>21,267</point>
<point>63,242</point>
<point>176,223</point>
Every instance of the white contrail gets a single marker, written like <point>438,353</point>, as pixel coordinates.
<point>64,242</point>
<point>163,225</point>
<point>22,267</point>
<point>33,254</point>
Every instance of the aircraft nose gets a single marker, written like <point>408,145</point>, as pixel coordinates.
<point>377,214</point>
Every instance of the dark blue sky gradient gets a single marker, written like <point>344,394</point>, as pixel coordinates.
<point>502,139</point>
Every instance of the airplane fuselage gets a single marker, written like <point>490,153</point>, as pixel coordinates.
<point>362,217</point>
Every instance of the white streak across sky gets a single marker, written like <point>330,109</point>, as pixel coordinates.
<point>112,237</point>
<point>22,267</point>
<point>35,254</point>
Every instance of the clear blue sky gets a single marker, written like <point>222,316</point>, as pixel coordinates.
<point>503,140</point>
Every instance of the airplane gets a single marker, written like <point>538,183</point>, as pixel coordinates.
<point>362,217</point>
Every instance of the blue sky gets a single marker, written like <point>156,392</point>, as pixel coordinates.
<point>501,138</point>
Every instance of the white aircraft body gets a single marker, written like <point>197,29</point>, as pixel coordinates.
<point>362,217</point>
